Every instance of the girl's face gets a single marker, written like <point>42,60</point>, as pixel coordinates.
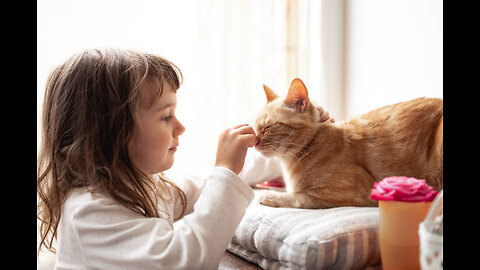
<point>156,129</point>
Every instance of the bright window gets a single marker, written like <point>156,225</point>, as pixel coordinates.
<point>353,56</point>
<point>225,49</point>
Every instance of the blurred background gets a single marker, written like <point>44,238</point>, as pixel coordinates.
<point>353,55</point>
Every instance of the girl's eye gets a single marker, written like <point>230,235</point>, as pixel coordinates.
<point>167,118</point>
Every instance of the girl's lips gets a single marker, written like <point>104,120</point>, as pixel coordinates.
<point>173,148</point>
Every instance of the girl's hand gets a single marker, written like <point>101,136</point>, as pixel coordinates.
<point>232,147</point>
<point>324,116</point>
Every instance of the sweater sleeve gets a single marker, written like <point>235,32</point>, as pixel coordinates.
<point>114,237</point>
<point>192,186</point>
<point>258,168</point>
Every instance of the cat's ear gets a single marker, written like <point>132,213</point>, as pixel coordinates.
<point>269,93</point>
<point>297,96</point>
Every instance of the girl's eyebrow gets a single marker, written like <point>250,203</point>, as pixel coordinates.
<point>165,106</point>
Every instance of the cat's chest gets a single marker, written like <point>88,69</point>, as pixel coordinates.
<point>291,179</point>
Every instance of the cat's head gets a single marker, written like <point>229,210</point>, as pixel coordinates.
<point>282,120</point>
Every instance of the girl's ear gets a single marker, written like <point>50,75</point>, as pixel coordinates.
<point>269,93</point>
<point>297,96</point>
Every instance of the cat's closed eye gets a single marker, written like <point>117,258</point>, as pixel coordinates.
<point>265,128</point>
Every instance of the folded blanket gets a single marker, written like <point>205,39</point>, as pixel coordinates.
<point>287,238</point>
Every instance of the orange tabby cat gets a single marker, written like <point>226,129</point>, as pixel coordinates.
<point>330,165</point>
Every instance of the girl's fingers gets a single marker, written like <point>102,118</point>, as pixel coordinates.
<point>324,116</point>
<point>239,126</point>
<point>250,139</point>
<point>232,147</point>
<point>246,130</point>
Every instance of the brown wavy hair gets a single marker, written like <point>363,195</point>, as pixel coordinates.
<point>87,124</point>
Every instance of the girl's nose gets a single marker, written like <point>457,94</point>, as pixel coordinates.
<point>179,130</point>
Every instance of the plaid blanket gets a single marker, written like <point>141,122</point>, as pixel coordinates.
<point>286,238</point>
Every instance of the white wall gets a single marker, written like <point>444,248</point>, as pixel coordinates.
<point>394,52</point>
<point>226,50</point>
<point>65,27</point>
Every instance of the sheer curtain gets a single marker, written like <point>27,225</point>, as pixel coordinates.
<point>240,45</point>
<point>225,49</point>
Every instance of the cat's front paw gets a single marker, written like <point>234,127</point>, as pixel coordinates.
<point>269,198</point>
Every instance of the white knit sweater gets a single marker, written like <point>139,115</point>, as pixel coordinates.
<point>97,232</point>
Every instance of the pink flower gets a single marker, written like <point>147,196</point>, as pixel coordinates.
<point>402,188</point>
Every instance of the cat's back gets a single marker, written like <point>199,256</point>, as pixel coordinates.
<point>404,138</point>
<point>403,118</point>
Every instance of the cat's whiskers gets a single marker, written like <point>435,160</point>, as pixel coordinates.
<point>281,150</point>
<point>297,144</point>
<point>288,152</point>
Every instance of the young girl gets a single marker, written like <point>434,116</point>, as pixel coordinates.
<point>109,130</point>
